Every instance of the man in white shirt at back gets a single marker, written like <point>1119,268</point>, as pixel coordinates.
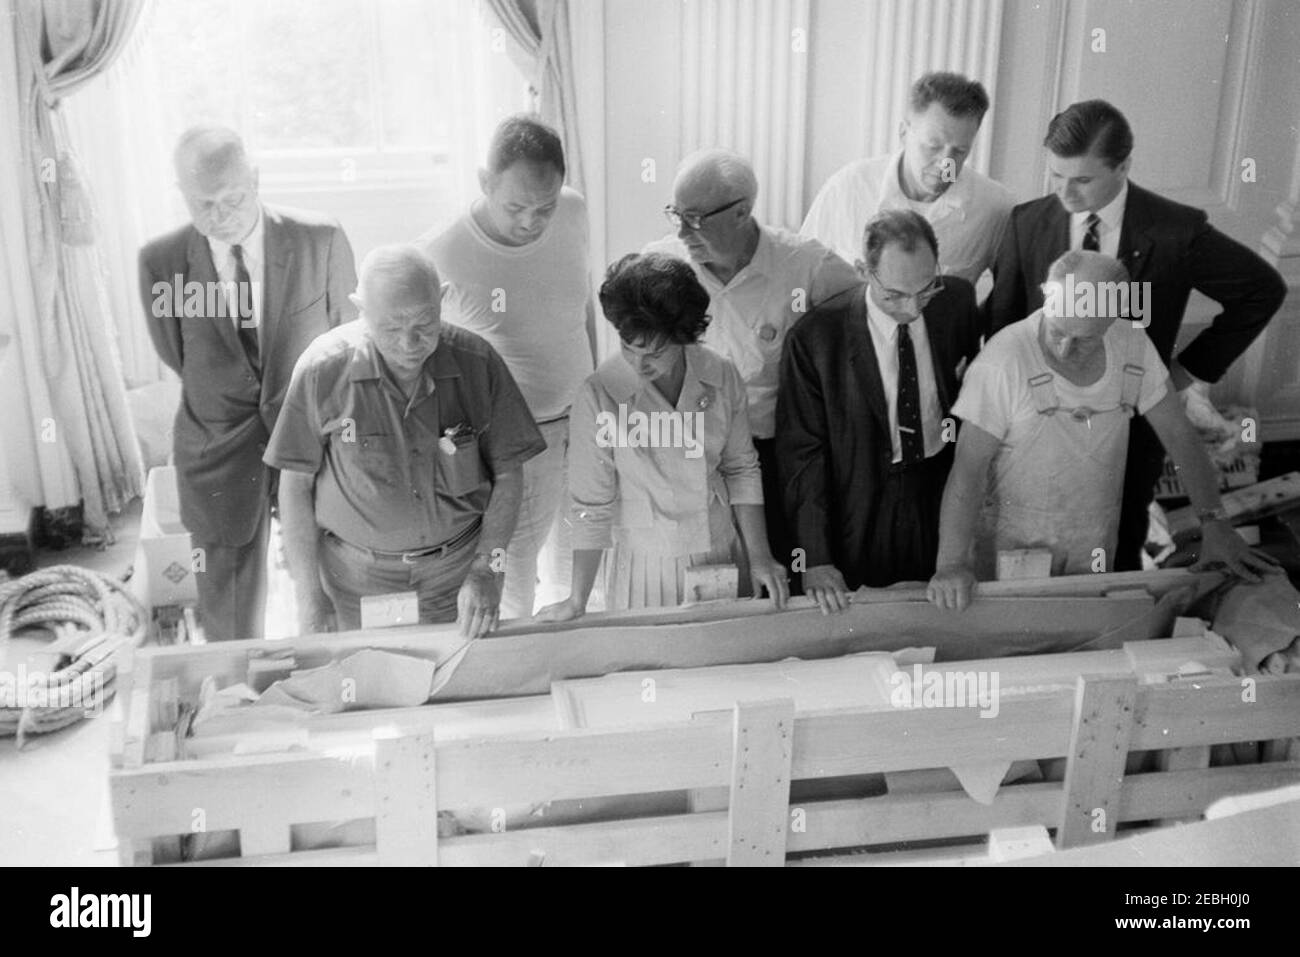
<point>761,280</point>
<point>515,266</point>
<point>967,210</point>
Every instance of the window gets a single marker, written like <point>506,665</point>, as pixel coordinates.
<point>340,94</point>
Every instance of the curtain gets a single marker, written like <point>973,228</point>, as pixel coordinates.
<point>115,122</point>
<point>543,47</point>
<point>59,45</point>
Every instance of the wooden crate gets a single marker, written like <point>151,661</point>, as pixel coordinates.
<point>752,754</point>
<point>495,692</point>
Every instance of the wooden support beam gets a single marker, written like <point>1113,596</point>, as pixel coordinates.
<point>1183,759</point>
<point>406,816</point>
<point>760,783</point>
<point>1099,742</point>
<point>139,714</point>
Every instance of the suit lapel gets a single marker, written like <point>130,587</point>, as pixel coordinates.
<point>1057,225</point>
<point>862,358</point>
<point>937,325</point>
<point>201,269</point>
<point>279,258</point>
<point>1135,242</point>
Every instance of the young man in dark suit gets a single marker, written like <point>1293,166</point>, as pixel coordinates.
<point>1173,247</point>
<point>231,300</point>
<point>863,437</point>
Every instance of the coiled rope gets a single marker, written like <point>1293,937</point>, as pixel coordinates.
<point>91,617</point>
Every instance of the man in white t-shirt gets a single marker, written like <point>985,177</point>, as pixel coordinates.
<point>929,175</point>
<point>516,267</point>
<point>761,280</point>
<point>1045,412</point>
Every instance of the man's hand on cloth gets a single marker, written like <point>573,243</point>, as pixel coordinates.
<point>478,604</point>
<point>1221,546</point>
<point>951,587</point>
<point>825,585</point>
<point>767,572</point>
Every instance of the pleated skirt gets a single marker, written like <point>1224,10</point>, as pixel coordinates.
<point>632,577</point>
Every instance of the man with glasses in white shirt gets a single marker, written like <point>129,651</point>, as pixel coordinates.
<point>863,436</point>
<point>967,210</point>
<point>760,280</point>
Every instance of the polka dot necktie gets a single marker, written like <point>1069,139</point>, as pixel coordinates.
<point>246,326</point>
<point>910,437</point>
<point>1090,242</point>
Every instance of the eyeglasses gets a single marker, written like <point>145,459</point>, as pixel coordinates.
<point>694,221</point>
<point>225,207</point>
<point>893,296</point>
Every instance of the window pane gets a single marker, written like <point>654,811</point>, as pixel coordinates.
<point>308,81</point>
<point>412,39</point>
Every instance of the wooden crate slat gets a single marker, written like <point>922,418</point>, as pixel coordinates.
<point>638,842</point>
<point>406,818</point>
<point>1103,723</point>
<point>760,783</point>
<point>226,793</point>
<point>832,744</point>
<point>1216,710</point>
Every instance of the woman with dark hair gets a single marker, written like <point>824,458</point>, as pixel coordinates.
<point>662,469</point>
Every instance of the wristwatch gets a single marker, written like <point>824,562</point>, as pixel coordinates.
<point>1216,514</point>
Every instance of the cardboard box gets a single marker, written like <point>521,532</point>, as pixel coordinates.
<point>165,559</point>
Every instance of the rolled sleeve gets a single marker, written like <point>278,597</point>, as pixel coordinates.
<point>512,437</point>
<point>985,400</point>
<point>297,444</point>
<point>738,463</point>
<point>593,477</point>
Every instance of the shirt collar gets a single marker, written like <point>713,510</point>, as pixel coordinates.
<point>366,365</point>
<point>251,244</point>
<point>622,382</point>
<point>1112,214</point>
<point>884,324</point>
<point>760,264</point>
<point>891,190</point>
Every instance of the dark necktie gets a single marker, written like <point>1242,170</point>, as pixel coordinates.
<point>1090,233</point>
<point>910,437</point>
<point>244,294</point>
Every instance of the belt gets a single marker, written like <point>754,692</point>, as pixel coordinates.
<point>931,462</point>
<point>410,557</point>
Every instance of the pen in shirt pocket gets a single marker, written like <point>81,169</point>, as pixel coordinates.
<point>449,436</point>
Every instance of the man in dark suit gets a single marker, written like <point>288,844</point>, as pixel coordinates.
<point>1173,247</point>
<point>232,300</point>
<point>863,437</point>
